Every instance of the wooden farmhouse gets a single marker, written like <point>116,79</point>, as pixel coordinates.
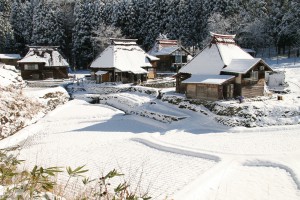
<point>222,70</point>
<point>171,54</point>
<point>43,62</point>
<point>10,59</point>
<point>123,61</point>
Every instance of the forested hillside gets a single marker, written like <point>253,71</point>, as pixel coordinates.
<point>81,27</point>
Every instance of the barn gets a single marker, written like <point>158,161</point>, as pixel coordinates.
<point>222,70</point>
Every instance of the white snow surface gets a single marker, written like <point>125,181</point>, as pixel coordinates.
<point>9,76</point>
<point>207,62</point>
<point>193,158</point>
<point>232,51</point>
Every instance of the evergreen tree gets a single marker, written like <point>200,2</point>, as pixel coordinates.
<point>21,21</point>
<point>87,18</point>
<point>6,32</point>
<point>153,22</point>
<point>102,36</point>
<point>47,25</point>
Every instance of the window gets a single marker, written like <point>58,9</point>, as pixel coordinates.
<point>254,75</point>
<point>31,67</point>
<point>261,68</point>
<point>178,59</point>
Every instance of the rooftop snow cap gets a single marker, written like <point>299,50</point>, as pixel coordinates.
<point>164,47</point>
<point>219,38</point>
<point>118,41</point>
<point>45,54</point>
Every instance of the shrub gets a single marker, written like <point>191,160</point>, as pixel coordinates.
<point>41,182</point>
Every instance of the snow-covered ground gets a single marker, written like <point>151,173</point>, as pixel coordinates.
<point>192,158</point>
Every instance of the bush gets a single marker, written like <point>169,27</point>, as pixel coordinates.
<point>41,183</point>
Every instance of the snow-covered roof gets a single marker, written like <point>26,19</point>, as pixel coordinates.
<point>48,55</point>
<point>208,79</point>
<point>249,50</point>
<point>33,59</point>
<point>215,56</point>
<point>124,58</point>
<point>10,56</point>
<point>206,62</point>
<point>100,72</point>
<point>219,38</point>
<point>152,58</point>
<point>118,41</point>
<point>165,51</point>
<point>241,65</point>
<point>164,47</point>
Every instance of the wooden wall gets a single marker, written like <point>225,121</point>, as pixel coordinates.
<point>204,91</point>
<point>44,72</point>
<point>253,90</point>
<point>9,62</point>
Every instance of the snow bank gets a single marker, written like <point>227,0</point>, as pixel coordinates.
<point>260,111</point>
<point>10,76</point>
<point>109,88</point>
<point>261,163</point>
<point>19,108</point>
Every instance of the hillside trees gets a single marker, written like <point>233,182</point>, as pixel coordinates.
<point>22,23</point>
<point>6,31</point>
<point>75,24</point>
<point>47,25</point>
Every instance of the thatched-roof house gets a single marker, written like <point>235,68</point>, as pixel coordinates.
<point>123,61</point>
<point>222,70</point>
<point>43,62</point>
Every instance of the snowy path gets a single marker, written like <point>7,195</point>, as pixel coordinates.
<point>252,166</point>
<point>194,158</point>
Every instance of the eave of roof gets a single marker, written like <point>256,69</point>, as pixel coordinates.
<point>242,66</point>
<point>209,79</point>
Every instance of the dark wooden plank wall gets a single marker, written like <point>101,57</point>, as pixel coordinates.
<point>254,90</point>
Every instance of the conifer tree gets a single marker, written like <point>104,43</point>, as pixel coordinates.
<point>47,25</point>
<point>21,21</point>
<point>87,17</point>
<point>6,32</point>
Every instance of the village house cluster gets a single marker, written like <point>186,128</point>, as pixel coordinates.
<point>222,70</point>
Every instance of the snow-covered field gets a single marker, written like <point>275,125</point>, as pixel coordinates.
<point>192,158</point>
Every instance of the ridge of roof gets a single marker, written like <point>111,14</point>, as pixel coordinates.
<point>122,41</point>
<point>222,35</point>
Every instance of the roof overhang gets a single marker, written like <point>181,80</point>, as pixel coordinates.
<point>209,79</point>
<point>243,66</point>
<point>10,56</point>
